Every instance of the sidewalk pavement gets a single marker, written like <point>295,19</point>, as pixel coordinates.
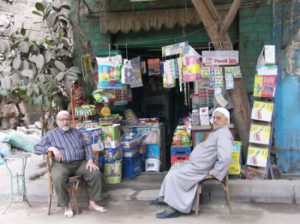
<point>146,187</point>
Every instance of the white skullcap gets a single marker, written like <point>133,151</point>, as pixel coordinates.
<point>222,110</point>
<point>62,112</point>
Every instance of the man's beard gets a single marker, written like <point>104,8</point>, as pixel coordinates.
<point>65,128</point>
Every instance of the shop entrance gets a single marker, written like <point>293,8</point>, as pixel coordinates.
<point>153,100</point>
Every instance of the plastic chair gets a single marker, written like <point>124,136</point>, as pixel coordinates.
<point>225,187</point>
<point>74,182</point>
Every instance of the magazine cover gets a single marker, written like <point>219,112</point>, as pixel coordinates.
<point>264,86</point>
<point>262,111</point>
<point>257,156</point>
<point>260,134</point>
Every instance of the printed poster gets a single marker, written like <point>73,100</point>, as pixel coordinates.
<point>257,156</point>
<point>262,111</point>
<point>264,86</point>
<point>260,134</point>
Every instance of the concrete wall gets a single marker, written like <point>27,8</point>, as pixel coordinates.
<point>21,13</point>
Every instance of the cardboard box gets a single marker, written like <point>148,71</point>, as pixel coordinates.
<point>111,135</point>
<point>132,143</point>
<point>93,137</point>
<point>267,55</point>
<point>235,165</point>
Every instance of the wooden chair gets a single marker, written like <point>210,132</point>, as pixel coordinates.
<point>74,182</point>
<point>225,187</point>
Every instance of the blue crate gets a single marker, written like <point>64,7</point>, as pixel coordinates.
<point>180,150</point>
<point>131,166</point>
<point>142,162</point>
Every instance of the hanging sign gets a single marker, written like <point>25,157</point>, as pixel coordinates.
<point>173,49</point>
<point>220,57</point>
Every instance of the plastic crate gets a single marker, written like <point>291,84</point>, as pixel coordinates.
<point>130,152</point>
<point>179,159</point>
<point>131,166</point>
<point>180,150</point>
<point>142,161</point>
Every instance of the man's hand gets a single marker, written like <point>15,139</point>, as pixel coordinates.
<point>57,154</point>
<point>210,176</point>
<point>91,165</point>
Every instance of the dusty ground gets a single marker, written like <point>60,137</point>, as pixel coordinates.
<point>140,212</point>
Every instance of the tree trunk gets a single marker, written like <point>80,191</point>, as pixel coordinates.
<point>217,31</point>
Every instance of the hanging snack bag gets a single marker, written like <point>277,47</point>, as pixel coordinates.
<point>109,72</point>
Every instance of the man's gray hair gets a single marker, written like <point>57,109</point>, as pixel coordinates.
<point>62,112</point>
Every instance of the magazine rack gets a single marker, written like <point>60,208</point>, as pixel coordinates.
<point>262,116</point>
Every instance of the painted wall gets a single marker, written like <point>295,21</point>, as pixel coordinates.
<point>286,36</point>
<point>255,25</point>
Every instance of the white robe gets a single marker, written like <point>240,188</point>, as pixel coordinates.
<point>212,156</point>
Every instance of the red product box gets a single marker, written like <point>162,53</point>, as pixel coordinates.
<point>179,159</point>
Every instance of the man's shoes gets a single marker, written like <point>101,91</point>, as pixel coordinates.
<point>168,214</point>
<point>157,202</point>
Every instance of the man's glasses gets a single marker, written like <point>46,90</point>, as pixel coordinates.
<point>64,119</point>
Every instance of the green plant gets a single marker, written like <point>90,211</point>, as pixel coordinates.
<point>41,73</point>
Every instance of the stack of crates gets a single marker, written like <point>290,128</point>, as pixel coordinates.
<point>131,157</point>
<point>180,153</point>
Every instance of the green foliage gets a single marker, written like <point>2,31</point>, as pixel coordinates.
<point>40,73</point>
